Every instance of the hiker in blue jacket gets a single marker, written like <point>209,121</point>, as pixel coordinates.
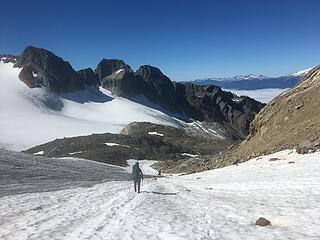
<point>137,176</point>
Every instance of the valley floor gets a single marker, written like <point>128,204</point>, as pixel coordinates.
<point>217,204</point>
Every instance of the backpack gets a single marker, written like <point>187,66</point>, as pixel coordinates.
<point>136,173</point>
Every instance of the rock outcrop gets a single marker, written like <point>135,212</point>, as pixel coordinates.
<point>141,140</point>
<point>90,77</point>
<point>185,100</point>
<point>211,103</point>
<point>122,83</point>
<point>159,89</point>
<point>290,121</point>
<point>41,67</point>
<point>108,66</point>
<point>263,222</point>
<point>8,58</point>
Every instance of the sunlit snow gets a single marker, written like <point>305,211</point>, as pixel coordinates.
<point>29,117</point>
<point>217,204</point>
<point>155,133</point>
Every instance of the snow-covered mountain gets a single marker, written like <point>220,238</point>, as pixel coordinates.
<point>43,98</point>
<point>235,78</point>
<point>30,116</point>
<point>254,82</point>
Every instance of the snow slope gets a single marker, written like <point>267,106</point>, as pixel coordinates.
<point>33,116</point>
<point>217,204</point>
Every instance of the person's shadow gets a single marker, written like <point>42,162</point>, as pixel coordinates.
<point>160,193</point>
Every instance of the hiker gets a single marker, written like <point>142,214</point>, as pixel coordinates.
<point>137,176</point>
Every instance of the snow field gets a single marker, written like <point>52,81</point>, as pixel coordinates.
<point>217,204</point>
<point>29,117</point>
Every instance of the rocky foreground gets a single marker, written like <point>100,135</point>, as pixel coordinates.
<point>138,141</point>
<point>290,121</point>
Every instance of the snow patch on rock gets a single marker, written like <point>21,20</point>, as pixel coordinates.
<point>116,144</point>
<point>39,153</point>
<point>155,133</point>
<point>189,155</point>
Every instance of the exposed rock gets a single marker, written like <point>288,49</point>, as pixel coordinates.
<point>210,103</point>
<point>199,164</point>
<point>263,222</point>
<point>273,159</point>
<point>28,76</point>
<point>300,108</point>
<point>42,68</point>
<point>122,83</point>
<point>302,150</point>
<point>137,141</point>
<point>108,66</point>
<point>186,100</point>
<point>90,78</point>
<point>159,89</point>
<point>8,58</point>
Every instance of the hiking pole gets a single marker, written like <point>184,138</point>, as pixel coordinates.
<point>130,185</point>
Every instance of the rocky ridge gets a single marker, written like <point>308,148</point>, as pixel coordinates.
<point>41,67</point>
<point>8,58</point>
<point>290,121</point>
<point>137,141</point>
<point>185,100</point>
<point>148,85</point>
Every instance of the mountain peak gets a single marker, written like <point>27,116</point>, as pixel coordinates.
<point>107,66</point>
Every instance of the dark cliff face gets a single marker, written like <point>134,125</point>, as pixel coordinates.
<point>203,103</point>
<point>41,67</point>
<point>108,66</point>
<point>159,89</point>
<point>122,83</point>
<point>90,78</point>
<point>188,101</point>
<point>216,105</point>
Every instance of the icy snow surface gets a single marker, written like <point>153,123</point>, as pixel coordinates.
<point>217,204</point>
<point>29,117</point>
<point>145,166</point>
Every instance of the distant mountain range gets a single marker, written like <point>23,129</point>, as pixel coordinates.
<point>254,82</point>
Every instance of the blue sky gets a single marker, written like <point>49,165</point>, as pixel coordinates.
<point>185,39</point>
